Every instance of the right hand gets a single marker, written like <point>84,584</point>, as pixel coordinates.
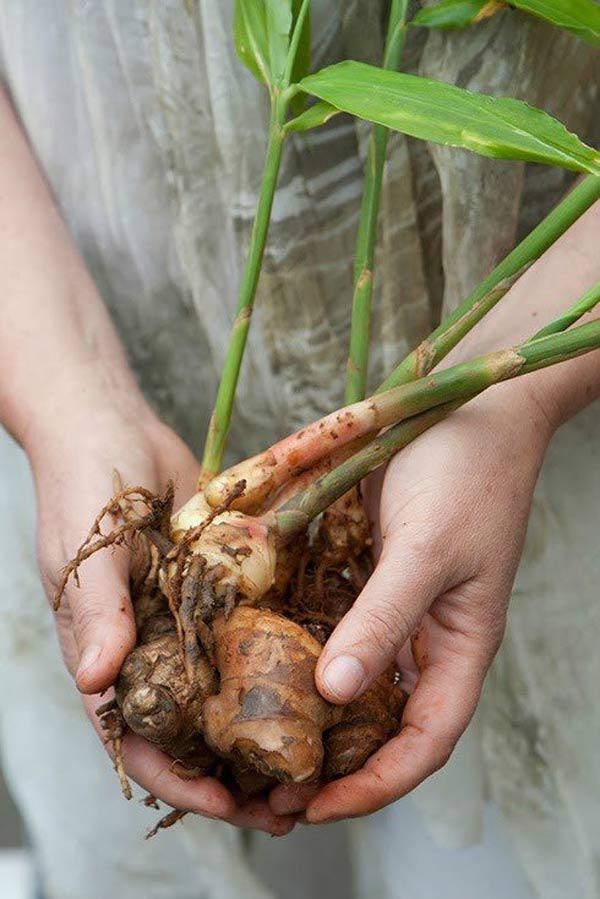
<point>73,462</point>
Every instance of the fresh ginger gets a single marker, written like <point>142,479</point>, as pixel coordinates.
<point>159,701</point>
<point>268,711</point>
<point>231,620</point>
<point>336,568</point>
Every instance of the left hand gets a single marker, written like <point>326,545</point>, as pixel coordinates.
<point>453,513</point>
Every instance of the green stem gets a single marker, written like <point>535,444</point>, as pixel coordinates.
<point>448,396</point>
<point>364,259</point>
<point>435,347</point>
<point>587,302</point>
<point>221,416</point>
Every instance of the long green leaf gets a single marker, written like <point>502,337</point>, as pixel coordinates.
<point>457,13</point>
<point>261,31</point>
<point>303,57</point>
<point>431,110</point>
<point>250,37</point>
<point>581,17</point>
<point>279,25</point>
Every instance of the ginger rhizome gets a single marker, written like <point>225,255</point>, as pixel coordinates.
<point>231,618</point>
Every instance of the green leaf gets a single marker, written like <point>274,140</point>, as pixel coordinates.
<point>431,110</point>
<point>581,17</point>
<point>315,115</point>
<point>457,13</point>
<point>303,58</point>
<point>279,26</point>
<point>250,37</point>
<point>261,31</point>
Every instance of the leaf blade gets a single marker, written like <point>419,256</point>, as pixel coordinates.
<point>499,127</point>
<point>250,37</point>
<point>580,17</point>
<point>302,62</point>
<point>278,14</point>
<point>316,115</point>
<point>261,32</point>
<point>449,14</point>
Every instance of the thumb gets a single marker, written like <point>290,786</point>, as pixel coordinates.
<point>102,620</point>
<point>402,588</point>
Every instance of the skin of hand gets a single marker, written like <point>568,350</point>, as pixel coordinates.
<point>452,513</point>
<point>69,399</point>
<point>72,470</point>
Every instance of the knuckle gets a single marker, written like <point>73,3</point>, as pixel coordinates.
<point>51,563</point>
<point>92,609</point>
<point>385,624</point>
<point>86,615</point>
<point>442,752</point>
<point>440,749</point>
<point>382,787</point>
<point>419,540</point>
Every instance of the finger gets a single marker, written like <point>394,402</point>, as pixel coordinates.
<point>410,575</point>
<point>102,620</point>
<point>256,814</point>
<point>287,799</point>
<point>206,796</point>
<point>435,716</point>
<point>151,770</point>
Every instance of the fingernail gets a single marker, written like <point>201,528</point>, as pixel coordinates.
<point>89,657</point>
<point>343,677</point>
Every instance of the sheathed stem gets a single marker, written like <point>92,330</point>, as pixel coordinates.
<point>364,259</point>
<point>529,357</point>
<point>435,347</point>
<point>221,416</point>
<point>351,426</point>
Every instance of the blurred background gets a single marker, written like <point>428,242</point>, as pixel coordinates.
<point>17,873</point>
<point>16,869</point>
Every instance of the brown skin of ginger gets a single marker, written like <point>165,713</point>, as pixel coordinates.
<point>157,700</point>
<point>265,721</point>
<point>268,713</point>
<point>334,571</point>
<point>367,724</point>
<point>248,780</point>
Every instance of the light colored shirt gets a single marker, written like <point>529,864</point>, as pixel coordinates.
<point>152,135</point>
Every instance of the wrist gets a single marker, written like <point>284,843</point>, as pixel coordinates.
<point>85,405</point>
<point>518,411</point>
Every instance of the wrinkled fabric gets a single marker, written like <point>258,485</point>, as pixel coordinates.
<point>152,136</point>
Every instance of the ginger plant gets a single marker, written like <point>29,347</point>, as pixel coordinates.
<point>235,593</point>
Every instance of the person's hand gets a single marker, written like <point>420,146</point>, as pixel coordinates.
<point>453,516</point>
<point>73,464</point>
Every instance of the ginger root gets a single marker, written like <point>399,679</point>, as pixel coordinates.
<point>231,622</point>
<point>158,700</point>
<point>367,723</point>
<point>268,712</point>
